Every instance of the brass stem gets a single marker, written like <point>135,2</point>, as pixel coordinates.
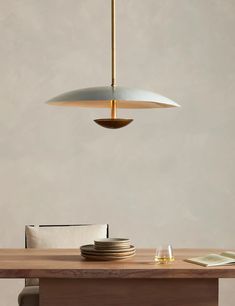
<point>113,109</point>
<point>113,44</point>
<point>113,47</point>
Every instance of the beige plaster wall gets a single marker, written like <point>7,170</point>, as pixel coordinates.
<point>170,175</point>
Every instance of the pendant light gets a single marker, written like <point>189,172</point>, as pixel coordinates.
<point>113,97</point>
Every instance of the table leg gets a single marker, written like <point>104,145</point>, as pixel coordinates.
<point>129,292</point>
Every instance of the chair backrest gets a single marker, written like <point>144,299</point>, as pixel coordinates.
<point>62,236</point>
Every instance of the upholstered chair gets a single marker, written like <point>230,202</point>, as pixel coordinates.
<point>56,236</point>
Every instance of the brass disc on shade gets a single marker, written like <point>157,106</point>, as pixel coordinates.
<point>115,123</point>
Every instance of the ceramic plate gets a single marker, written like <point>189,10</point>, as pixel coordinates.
<point>108,254</point>
<point>105,258</point>
<point>112,247</point>
<point>92,248</point>
<point>112,241</point>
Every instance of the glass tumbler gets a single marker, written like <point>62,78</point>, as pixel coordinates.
<point>164,254</point>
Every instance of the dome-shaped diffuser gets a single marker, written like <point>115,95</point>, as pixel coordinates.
<point>113,123</point>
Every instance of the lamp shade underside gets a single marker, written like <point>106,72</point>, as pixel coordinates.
<point>100,97</point>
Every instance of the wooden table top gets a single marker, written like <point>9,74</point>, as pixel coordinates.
<point>67,263</point>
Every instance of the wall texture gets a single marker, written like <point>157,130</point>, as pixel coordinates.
<point>170,175</point>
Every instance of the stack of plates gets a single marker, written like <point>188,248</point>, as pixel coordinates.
<point>108,249</point>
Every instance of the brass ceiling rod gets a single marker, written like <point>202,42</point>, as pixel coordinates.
<point>113,55</point>
<point>113,42</point>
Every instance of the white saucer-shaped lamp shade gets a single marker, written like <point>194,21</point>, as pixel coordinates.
<point>100,97</point>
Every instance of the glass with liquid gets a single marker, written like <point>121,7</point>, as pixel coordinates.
<point>164,254</point>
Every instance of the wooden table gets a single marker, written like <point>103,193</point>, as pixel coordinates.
<point>68,280</point>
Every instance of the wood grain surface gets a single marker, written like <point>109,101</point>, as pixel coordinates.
<point>60,263</point>
<point>129,292</point>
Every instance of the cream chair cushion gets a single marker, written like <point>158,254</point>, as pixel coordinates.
<point>72,236</point>
<point>63,236</point>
